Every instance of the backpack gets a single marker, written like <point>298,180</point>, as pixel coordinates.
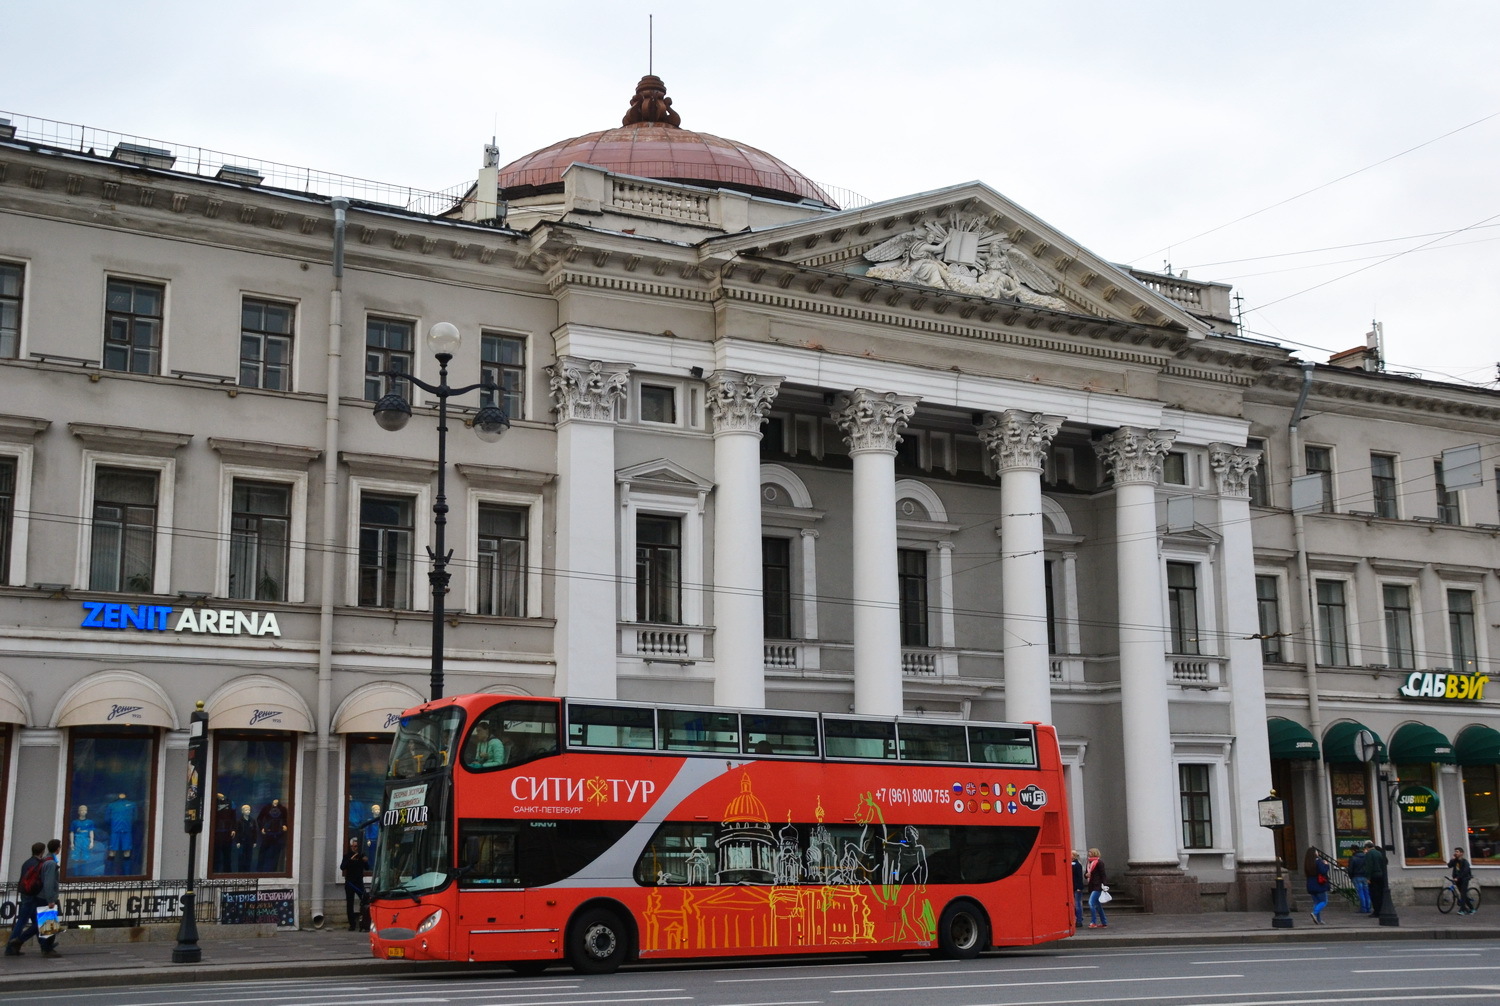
<point>31,878</point>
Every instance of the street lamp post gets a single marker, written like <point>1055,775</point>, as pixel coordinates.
<point>392,413</point>
<point>1273,815</point>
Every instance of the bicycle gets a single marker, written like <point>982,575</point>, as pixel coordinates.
<point>1448,897</point>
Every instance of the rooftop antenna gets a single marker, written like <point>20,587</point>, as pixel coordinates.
<point>1239,312</point>
<point>650,43</point>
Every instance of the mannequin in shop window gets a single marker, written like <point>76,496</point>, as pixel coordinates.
<point>223,821</point>
<point>83,846</point>
<point>243,835</point>
<point>274,821</point>
<point>121,818</point>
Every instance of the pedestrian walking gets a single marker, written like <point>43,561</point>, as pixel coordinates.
<point>1376,871</point>
<point>1096,878</point>
<point>356,898</point>
<point>1463,876</point>
<point>38,889</point>
<point>1080,887</point>
<point>1356,870</point>
<point>1316,868</point>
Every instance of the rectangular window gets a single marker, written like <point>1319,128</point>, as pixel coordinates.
<point>11,276</point>
<point>1260,489</point>
<point>1352,820</point>
<point>502,560</point>
<point>1320,463</point>
<point>133,315</point>
<point>8,467</point>
<point>1182,606</point>
<point>259,540</point>
<point>365,761</point>
<point>1174,469</point>
<point>1447,499</point>
<point>1049,589</point>
<point>122,551</point>
<point>1400,651</point>
<point>776,587</point>
<point>1197,806</point>
<point>1421,841</point>
<point>252,817</point>
<point>1482,810</point>
<point>388,347</point>
<point>1268,607</point>
<point>1461,630</point>
<point>658,569</point>
<point>385,551</point>
<point>911,576</point>
<point>658,404</point>
<point>1333,624</point>
<point>111,786</point>
<point>502,362</point>
<point>1383,484</point>
<point>266,344</point>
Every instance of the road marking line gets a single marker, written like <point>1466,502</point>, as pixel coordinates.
<point>1008,985</point>
<point>920,974</point>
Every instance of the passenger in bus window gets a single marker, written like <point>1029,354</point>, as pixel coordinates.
<point>484,749</point>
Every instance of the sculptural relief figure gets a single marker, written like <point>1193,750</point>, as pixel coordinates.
<point>965,256</point>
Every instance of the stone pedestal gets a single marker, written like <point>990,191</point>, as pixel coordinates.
<point>1163,889</point>
<point>1252,888</point>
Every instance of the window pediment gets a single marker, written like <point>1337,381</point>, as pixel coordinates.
<point>124,440</point>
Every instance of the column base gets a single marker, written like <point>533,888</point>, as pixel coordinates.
<point>1163,889</point>
<point>1253,887</point>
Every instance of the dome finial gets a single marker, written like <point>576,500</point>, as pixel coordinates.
<point>651,104</point>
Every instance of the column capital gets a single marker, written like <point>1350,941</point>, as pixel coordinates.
<point>1232,467</point>
<point>1134,455</point>
<point>872,420</point>
<point>590,390</point>
<point>739,402</point>
<point>1018,439</point>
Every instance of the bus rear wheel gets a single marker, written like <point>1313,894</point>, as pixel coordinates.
<point>596,942</point>
<point>961,931</point>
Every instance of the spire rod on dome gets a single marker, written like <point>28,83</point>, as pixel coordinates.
<point>650,105</point>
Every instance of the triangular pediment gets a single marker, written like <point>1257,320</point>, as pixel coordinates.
<point>663,475</point>
<point>967,242</point>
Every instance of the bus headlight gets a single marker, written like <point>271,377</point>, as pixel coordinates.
<point>429,922</point>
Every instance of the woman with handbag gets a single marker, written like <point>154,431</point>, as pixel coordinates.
<point>1316,868</point>
<point>1097,891</point>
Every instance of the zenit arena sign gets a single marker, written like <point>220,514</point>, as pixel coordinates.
<point>1444,685</point>
<point>165,618</point>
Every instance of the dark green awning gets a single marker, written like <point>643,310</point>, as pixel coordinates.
<point>1338,743</point>
<point>1417,743</point>
<point>1478,745</point>
<point>1290,739</point>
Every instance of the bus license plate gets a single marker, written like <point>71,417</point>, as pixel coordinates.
<point>395,951</point>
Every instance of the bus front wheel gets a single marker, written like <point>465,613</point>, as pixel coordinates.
<point>961,931</point>
<point>596,942</point>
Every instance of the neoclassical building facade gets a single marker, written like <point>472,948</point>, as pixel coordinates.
<point>926,457</point>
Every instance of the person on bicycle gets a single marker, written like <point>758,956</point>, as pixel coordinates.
<point>1462,876</point>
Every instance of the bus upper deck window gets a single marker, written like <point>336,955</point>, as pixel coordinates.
<point>858,738</point>
<point>932,741</point>
<point>782,735</point>
<point>699,730</point>
<point>601,726</point>
<point>1002,745</point>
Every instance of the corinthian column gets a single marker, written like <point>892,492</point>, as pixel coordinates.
<point>1255,850</point>
<point>738,403</point>
<point>872,423</point>
<point>587,395</point>
<point>1134,457</point>
<point>1018,443</point>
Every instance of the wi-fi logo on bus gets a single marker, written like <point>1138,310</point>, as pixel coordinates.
<point>1033,797</point>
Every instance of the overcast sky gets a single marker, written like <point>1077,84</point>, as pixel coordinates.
<point>1132,127</point>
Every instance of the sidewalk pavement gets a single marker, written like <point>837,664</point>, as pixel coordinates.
<point>327,952</point>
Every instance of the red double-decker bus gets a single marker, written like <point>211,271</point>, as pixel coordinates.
<point>535,831</point>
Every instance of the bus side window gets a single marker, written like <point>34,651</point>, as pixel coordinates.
<point>1002,745</point>
<point>782,735</point>
<point>859,738</point>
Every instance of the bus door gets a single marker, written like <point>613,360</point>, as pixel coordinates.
<point>492,912</point>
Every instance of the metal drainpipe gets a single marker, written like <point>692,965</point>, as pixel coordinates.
<point>327,589</point>
<point>1323,821</point>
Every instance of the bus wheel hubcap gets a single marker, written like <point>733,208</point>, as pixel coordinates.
<point>600,940</point>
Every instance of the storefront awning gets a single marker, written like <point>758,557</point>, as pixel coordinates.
<point>375,708</point>
<point>1290,739</point>
<point>1478,745</point>
<point>1418,743</point>
<point>257,702</point>
<point>13,707</point>
<point>1339,746</point>
<point>115,699</point>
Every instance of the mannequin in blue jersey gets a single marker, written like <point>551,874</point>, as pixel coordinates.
<point>120,815</point>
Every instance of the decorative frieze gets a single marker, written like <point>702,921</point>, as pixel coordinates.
<point>1131,454</point>
<point>1018,439</point>
<point>873,420</point>
<point>589,390</point>
<point>1232,467</point>
<point>739,402</point>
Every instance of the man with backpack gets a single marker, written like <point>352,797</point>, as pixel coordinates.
<point>37,887</point>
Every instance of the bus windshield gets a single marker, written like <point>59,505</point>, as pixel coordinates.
<point>424,742</point>
<point>412,855</point>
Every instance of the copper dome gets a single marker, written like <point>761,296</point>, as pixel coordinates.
<point>652,144</point>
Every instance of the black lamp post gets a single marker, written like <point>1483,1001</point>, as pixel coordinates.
<point>1273,815</point>
<point>187,950</point>
<point>392,413</point>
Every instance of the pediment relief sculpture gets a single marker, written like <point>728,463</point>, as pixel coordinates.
<point>965,255</point>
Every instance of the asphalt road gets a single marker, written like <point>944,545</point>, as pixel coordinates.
<point>1302,974</point>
